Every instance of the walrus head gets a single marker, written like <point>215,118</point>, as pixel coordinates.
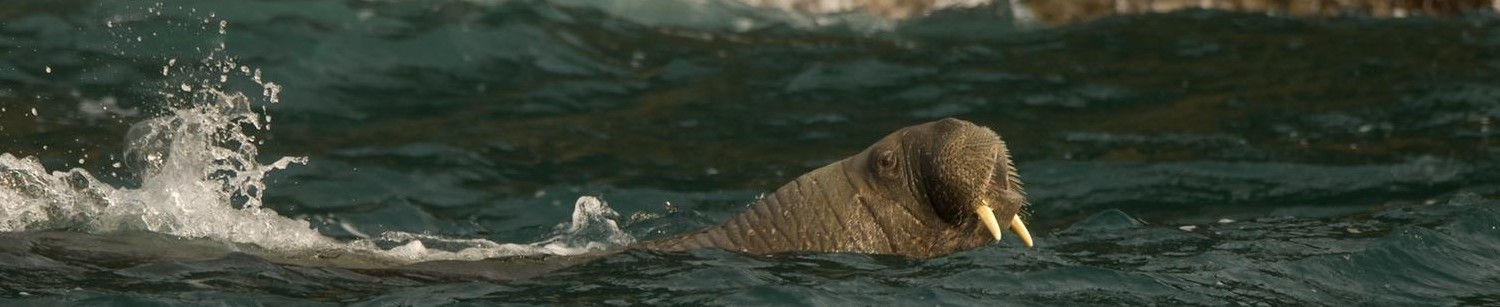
<point>962,171</point>
<point>922,191</point>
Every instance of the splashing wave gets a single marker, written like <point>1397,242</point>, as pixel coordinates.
<point>199,178</point>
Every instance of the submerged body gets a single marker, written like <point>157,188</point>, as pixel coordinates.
<point>923,191</point>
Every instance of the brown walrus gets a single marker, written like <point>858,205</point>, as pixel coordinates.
<point>923,191</point>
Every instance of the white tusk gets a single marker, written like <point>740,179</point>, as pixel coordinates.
<point>1017,226</point>
<point>987,216</point>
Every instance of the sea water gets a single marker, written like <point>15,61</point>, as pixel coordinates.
<point>178,152</point>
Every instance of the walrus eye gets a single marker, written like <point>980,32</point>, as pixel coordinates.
<point>887,160</point>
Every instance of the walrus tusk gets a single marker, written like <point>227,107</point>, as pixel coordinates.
<point>1015,225</point>
<point>987,216</point>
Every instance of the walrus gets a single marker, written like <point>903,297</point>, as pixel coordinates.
<point>923,191</point>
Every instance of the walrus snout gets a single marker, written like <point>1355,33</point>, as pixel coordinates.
<point>977,178</point>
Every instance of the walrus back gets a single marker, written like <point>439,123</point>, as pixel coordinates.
<point>817,212</point>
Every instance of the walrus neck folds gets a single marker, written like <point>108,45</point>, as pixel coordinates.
<point>923,191</point>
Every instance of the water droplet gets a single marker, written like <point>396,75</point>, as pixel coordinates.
<point>272,92</point>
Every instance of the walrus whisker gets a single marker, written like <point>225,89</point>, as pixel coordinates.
<point>979,145</point>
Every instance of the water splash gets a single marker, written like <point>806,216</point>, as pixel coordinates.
<point>198,176</point>
<point>592,228</point>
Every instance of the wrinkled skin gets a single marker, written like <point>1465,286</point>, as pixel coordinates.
<point>914,193</point>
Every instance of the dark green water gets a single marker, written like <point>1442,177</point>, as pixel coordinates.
<point>1189,158</point>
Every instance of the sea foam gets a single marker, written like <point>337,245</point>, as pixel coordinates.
<point>200,176</point>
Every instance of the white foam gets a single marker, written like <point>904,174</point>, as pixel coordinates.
<point>593,228</point>
<point>199,178</point>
